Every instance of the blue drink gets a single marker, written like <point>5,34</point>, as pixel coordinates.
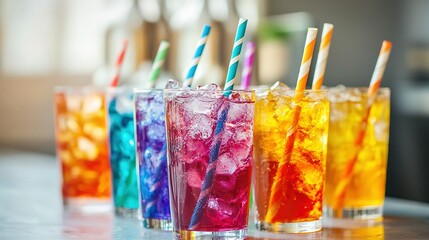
<point>122,151</point>
<point>152,159</point>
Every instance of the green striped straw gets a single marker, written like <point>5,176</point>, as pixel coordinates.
<point>235,57</point>
<point>158,62</point>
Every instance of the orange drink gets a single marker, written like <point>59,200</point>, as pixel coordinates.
<point>362,194</point>
<point>289,184</point>
<point>82,146</point>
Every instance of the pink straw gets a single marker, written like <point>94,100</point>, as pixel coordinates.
<point>249,57</point>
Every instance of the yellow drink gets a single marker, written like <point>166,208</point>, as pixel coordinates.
<point>290,167</point>
<point>364,191</point>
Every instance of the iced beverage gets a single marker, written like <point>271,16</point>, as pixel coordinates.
<point>122,151</point>
<point>82,146</point>
<point>288,181</point>
<point>152,159</point>
<point>210,154</point>
<point>363,191</point>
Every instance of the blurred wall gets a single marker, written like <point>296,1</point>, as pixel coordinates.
<point>360,28</point>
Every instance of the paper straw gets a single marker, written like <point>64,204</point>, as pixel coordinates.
<point>216,143</point>
<point>322,57</point>
<point>377,76</point>
<point>235,56</point>
<point>197,56</point>
<point>158,62</point>
<point>249,58</point>
<point>118,65</point>
<point>277,188</point>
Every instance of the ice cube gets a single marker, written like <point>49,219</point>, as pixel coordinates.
<point>72,124</point>
<point>94,131</point>
<point>156,132</point>
<point>86,149</point>
<point>225,164</point>
<point>201,127</point>
<point>195,106</point>
<point>381,131</point>
<point>194,179</point>
<point>210,87</point>
<point>173,84</point>
<point>92,104</point>
<point>74,103</point>
<point>220,210</point>
<point>279,86</point>
<point>156,111</point>
<point>239,113</point>
<point>124,104</point>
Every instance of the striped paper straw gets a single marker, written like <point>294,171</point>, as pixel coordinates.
<point>306,62</point>
<point>118,65</point>
<point>235,56</point>
<point>249,58</point>
<point>377,76</point>
<point>197,56</point>
<point>277,188</point>
<point>158,62</point>
<point>319,72</point>
<point>214,150</point>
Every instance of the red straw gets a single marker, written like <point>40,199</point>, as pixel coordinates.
<point>118,65</point>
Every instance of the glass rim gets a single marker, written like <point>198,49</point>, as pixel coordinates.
<point>145,90</point>
<point>205,90</point>
<point>85,88</point>
<point>381,90</point>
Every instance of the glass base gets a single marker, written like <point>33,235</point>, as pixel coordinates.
<point>87,205</point>
<point>201,235</point>
<point>293,227</point>
<point>373,212</point>
<point>126,212</point>
<point>160,224</point>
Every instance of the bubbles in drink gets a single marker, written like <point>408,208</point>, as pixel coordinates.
<point>192,117</point>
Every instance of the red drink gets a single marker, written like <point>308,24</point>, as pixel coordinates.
<point>191,120</point>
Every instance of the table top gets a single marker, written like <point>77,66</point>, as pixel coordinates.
<point>31,208</point>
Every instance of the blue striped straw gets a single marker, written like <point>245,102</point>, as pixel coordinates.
<point>214,151</point>
<point>235,56</point>
<point>197,56</point>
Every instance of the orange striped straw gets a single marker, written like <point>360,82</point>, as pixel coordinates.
<point>322,57</point>
<point>277,188</point>
<point>306,62</point>
<point>377,76</point>
<point>118,65</point>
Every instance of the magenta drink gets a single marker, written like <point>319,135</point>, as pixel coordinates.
<point>210,154</point>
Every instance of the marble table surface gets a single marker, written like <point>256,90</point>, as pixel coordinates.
<point>31,208</point>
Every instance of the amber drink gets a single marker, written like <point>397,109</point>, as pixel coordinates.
<point>290,155</point>
<point>82,147</point>
<point>359,194</point>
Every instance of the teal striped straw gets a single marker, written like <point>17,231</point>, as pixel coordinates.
<point>207,184</point>
<point>158,62</point>
<point>235,57</point>
<point>197,56</point>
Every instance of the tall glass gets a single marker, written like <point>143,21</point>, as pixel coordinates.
<point>359,194</point>
<point>210,152</point>
<point>290,157</point>
<point>122,151</point>
<point>152,159</point>
<point>82,147</point>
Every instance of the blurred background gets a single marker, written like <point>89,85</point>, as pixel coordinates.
<point>46,43</point>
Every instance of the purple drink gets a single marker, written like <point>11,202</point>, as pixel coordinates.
<point>191,121</point>
<point>152,159</point>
